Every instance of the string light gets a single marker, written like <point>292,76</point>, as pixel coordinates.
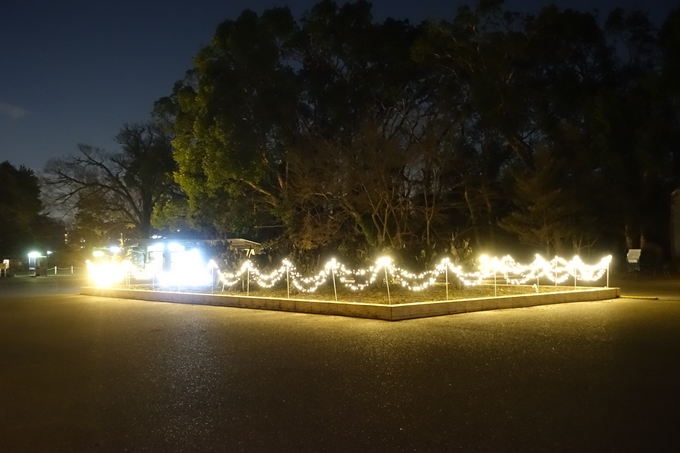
<point>557,270</point>
<point>190,271</point>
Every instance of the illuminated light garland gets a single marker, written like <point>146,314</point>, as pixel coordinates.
<point>191,272</point>
<point>557,270</point>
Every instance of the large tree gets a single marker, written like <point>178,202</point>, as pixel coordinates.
<point>115,192</point>
<point>20,209</point>
<point>269,97</point>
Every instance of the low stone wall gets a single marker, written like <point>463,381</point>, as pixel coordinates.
<point>361,310</point>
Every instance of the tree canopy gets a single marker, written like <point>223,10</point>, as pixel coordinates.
<point>23,224</point>
<point>336,131</point>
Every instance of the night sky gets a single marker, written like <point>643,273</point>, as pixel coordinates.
<point>74,71</point>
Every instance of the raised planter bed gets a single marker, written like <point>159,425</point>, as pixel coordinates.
<point>387,312</point>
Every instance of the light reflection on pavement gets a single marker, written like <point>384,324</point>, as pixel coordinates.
<point>94,374</point>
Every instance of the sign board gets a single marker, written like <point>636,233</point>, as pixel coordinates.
<point>633,256</point>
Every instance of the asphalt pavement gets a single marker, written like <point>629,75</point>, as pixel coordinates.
<point>89,374</point>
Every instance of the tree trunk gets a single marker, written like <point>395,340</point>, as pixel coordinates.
<point>632,233</point>
<point>473,216</point>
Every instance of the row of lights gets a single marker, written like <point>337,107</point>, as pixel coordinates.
<point>557,270</point>
<point>189,271</point>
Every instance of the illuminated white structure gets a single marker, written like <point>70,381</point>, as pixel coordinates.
<point>161,263</point>
<point>105,269</point>
<point>37,264</point>
<point>171,264</point>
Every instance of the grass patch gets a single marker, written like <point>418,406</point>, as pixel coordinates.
<point>377,295</point>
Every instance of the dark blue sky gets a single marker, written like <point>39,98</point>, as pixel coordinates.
<point>74,71</point>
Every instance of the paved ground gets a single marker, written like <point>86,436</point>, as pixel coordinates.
<point>85,374</point>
